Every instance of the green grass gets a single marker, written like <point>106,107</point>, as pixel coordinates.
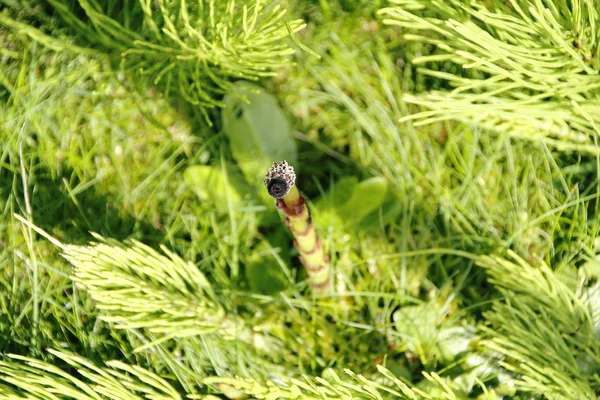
<point>475,277</point>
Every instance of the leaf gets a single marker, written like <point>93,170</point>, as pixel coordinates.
<point>350,202</point>
<point>258,130</point>
<point>212,184</point>
<point>366,197</point>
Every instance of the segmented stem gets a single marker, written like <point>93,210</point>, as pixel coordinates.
<point>280,182</point>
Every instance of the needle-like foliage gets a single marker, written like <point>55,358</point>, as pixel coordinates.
<point>34,379</point>
<point>140,288</point>
<point>543,331</point>
<point>194,49</point>
<point>525,68</point>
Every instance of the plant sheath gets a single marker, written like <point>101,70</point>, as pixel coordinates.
<point>280,182</point>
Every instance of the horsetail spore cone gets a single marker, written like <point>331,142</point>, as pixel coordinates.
<point>281,184</point>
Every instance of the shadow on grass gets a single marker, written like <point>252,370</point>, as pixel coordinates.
<point>71,217</point>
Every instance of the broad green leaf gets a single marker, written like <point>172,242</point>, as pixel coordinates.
<point>212,183</point>
<point>349,202</point>
<point>366,197</point>
<point>259,132</point>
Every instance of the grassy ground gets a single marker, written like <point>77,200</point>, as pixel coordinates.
<point>475,275</point>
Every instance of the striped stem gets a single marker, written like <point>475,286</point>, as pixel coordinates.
<point>281,184</point>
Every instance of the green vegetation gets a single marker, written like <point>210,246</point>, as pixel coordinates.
<point>449,150</point>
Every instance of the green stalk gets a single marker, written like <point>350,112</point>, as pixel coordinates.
<point>280,182</point>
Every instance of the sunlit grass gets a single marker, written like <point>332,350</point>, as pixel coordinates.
<point>482,240</point>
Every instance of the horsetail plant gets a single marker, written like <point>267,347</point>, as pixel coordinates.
<point>280,182</point>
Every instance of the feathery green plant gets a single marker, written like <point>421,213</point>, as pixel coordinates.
<point>525,68</point>
<point>206,44</point>
<point>118,380</point>
<point>34,379</point>
<point>144,289</point>
<point>194,49</point>
<point>542,330</point>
